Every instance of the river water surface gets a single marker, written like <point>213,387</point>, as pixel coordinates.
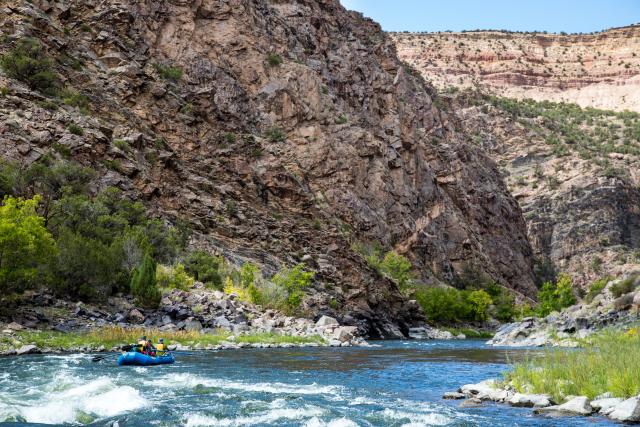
<point>395,383</point>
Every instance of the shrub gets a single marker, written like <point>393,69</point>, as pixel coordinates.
<point>75,98</point>
<point>596,288</point>
<point>25,244</point>
<point>143,283</point>
<point>121,144</point>
<point>75,129</point>
<point>243,294</point>
<point>168,72</point>
<point>624,286</point>
<point>341,119</point>
<point>294,280</point>
<point>28,63</point>
<point>398,268</point>
<point>555,297</point>
<point>276,135</point>
<point>479,301</point>
<point>274,59</point>
<point>204,268</point>
<point>443,305</point>
<point>173,277</point>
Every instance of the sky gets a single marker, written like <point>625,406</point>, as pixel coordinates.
<point>571,16</point>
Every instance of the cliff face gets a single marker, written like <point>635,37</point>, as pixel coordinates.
<point>574,173</point>
<point>599,70</point>
<point>292,132</point>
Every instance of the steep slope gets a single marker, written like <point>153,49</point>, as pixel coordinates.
<point>600,70</point>
<point>574,173</point>
<point>281,131</point>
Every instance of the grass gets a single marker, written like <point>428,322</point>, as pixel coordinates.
<point>115,336</point>
<point>609,362</point>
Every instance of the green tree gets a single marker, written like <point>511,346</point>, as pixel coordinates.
<point>29,63</point>
<point>204,268</point>
<point>398,268</point>
<point>25,244</point>
<point>555,297</point>
<point>480,302</point>
<point>294,280</point>
<point>143,283</point>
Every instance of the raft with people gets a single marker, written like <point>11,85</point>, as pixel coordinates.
<point>145,354</point>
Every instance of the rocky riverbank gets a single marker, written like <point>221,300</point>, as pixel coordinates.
<point>608,309</point>
<point>200,319</point>
<point>618,409</point>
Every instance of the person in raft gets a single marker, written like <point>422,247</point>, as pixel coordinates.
<point>160,348</point>
<point>145,347</point>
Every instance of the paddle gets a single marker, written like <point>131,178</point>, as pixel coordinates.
<point>127,347</point>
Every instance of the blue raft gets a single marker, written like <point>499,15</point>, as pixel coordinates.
<point>139,359</point>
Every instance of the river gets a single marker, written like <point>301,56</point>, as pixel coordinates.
<point>394,383</point>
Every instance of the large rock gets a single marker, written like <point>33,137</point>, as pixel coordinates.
<point>27,349</point>
<point>578,405</point>
<point>135,316</point>
<point>529,400</point>
<point>605,405</point>
<point>345,333</point>
<point>325,321</point>
<point>627,411</point>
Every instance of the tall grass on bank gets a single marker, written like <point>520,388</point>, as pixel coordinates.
<point>609,362</point>
<point>115,336</point>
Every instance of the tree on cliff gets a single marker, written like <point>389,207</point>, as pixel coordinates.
<point>143,283</point>
<point>25,244</point>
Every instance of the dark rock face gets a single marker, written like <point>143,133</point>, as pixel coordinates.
<point>293,131</point>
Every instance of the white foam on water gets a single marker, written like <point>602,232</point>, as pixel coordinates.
<point>360,400</point>
<point>187,380</point>
<point>141,369</point>
<point>273,416</point>
<point>417,418</point>
<point>338,422</point>
<point>63,403</point>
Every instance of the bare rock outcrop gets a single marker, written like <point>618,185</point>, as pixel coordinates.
<point>279,130</point>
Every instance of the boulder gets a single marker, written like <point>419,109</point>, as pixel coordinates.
<point>627,411</point>
<point>27,349</point>
<point>345,333</point>
<point>327,321</point>
<point>453,395</point>
<point>193,325</point>
<point>604,405</point>
<point>135,316</point>
<point>14,326</point>
<point>471,402</point>
<point>579,405</point>
<point>529,400</point>
<point>222,322</point>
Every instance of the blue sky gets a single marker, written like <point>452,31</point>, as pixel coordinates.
<point>571,16</point>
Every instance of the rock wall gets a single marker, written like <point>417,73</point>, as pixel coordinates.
<point>600,70</point>
<point>292,132</point>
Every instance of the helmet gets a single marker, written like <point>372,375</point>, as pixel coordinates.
<point>161,340</point>
<point>143,338</point>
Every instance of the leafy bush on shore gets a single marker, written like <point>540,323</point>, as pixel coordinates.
<point>555,297</point>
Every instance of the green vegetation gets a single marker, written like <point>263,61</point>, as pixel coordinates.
<point>25,244</point>
<point>273,59</point>
<point>470,332</point>
<point>173,277</point>
<point>75,98</point>
<point>143,283</point>
<point>341,119</point>
<point>284,291</point>
<point>75,129</point>
<point>28,62</point>
<point>204,268</point>
<point>168,72</point>
<point>555,297</point>
<point>477,299</point>
<point>115,336</point>
<point>590,132</point>
<point>276,135</point>
<point>608,363</point>
<point>625,286</point>
<point>121,144</point>
<point>596,288</point>
<point>98,241</point>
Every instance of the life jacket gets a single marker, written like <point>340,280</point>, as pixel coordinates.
<point>141,346</point>
<point>160,349</point>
